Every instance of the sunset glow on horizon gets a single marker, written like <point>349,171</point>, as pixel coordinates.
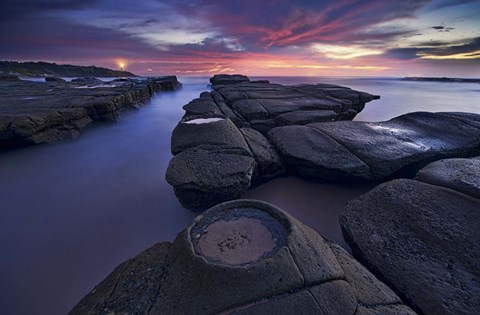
<point>268,38</point>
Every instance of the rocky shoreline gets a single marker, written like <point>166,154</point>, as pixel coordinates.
<point>47,69</point>
<point>56,110</point>
<point>223,145</point>
<point>421,236</point>
<point>243,257</point>
<point>415,241</point>
<point>444,80</point>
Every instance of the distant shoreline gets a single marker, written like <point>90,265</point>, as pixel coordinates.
<point>442,79</point>
<point>46,69</point>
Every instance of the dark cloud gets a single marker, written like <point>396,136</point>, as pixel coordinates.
<point>46,39</point>
<point>15,8</point>
<point>442,28</point>
<point>442,49</point>
<point>434,43</point>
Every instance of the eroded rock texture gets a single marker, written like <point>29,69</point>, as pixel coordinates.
<point>47,112</point>
<point>244,133</point>
<point>422,236</point>
<point>243,257</point>
<point>364,151</point>
<point>223,141</point>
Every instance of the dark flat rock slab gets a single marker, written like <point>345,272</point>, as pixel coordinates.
<point>243,257</point>
<point>462,175</point>
<point>214,121</point>
<point>264,105</point>
<point>363,151</point>
<point>215,131</point>
<point>311,154</point>
<point>206,175</point>
<point>303,117</point>
<point>225,79</point>
<point>421,239</point>
<point>266,101</point>
<point>47,112</point>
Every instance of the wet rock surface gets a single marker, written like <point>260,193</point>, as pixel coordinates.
<point>300,130</point>
<point>207,270</point>
<point>263,105</point>
<point>365,151</point>
<point>236,118</point>
<point>55,110</point>
<point>421,236</point>
<point>462,175</point>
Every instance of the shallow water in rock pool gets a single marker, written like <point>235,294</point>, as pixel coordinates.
<point>71,212</point>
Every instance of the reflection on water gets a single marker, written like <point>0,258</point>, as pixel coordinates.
<point>318,205</point>
<point>71,212</point>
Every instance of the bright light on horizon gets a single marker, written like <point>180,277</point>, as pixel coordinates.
<point>122,64</point>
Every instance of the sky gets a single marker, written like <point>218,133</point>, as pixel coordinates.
<point>252,37</point>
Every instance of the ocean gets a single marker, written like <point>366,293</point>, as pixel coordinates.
<point>71,212</point>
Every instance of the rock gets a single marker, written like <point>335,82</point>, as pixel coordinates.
<point>256,107</point>
<point>201,106</point>
<point>225,79</point>
<point>47,112</point>
<point>206,175</point>
<point>462,175</point>
<point>312,155</point>
<point>242,257</point>
<point>363,151</point>
<point>217,131</point>
<point>264,105</point>
<point>420,239</point>
<point>131,287</point>
<point>339,151</point>
<point>54,79</point>
<point>87,81</point>
<point>303,117</point>
<point>268,163</point>
<point>9,78</point>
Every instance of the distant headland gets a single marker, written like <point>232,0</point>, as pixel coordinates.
<point>442,79</point>
<point>46,69</point>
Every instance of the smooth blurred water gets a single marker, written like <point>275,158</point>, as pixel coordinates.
<point>71,212</point>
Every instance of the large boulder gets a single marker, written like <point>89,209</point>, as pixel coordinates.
<point>243,257</point>
<point>226,79</point>
<point>462,175</point>
<point>312,155</point>
<point>364,151</point>
<point>214,130</point>
<point>204,176</point>
<point>423,240</point>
